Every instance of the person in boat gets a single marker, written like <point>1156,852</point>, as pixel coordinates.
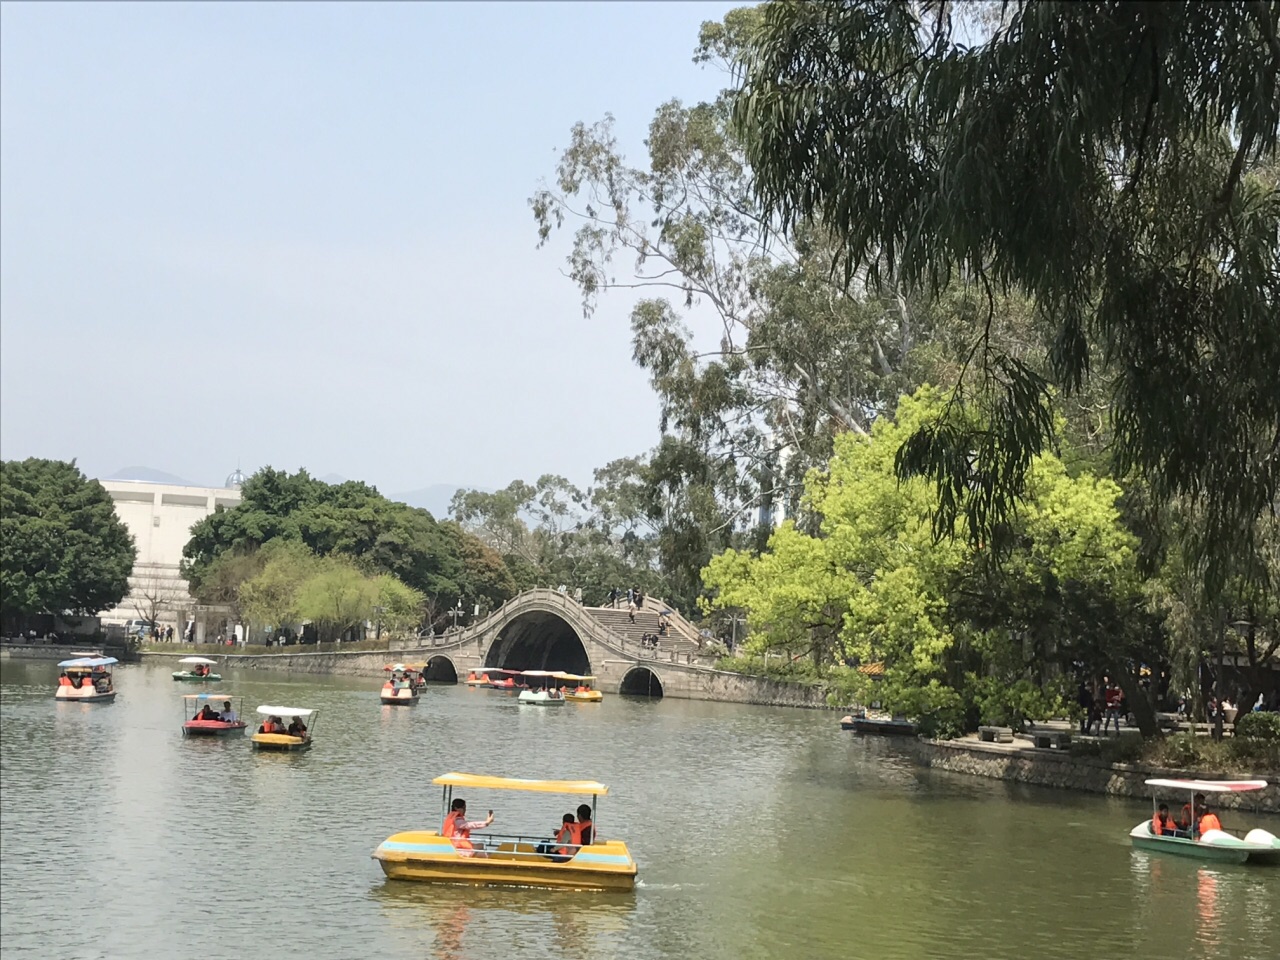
<point>586,829</point>
<point>87,682</point>
<point>297,728</point>
<point>1208,820</point>
<point>64,680</point>
<point>457,828</point>
<point>272,725</point>
<point>1162,824</point>
<point>561,847</point>
<point>1191,814</point>
<point>206,713</point>
<point>227,715</point>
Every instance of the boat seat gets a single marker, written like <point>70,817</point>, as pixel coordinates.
<point>996,734</point>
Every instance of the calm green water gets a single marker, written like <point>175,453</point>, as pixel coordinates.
<point>759,833</point>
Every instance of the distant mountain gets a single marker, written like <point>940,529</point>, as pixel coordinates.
<point>148,475</point>
<point>332,478</point>
<point>434,498</point>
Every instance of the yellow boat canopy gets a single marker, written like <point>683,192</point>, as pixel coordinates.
<point>477,782</point>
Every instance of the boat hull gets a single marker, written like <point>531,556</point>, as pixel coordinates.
<point>90,698</point>
<point>211,728</point>
<point>886,728</point>
<point>397,701</point>
<point>281,742</point>
<point>188,677</point>
<point>427,857</point>
<point>591,696</point>
<point>1225,849</point>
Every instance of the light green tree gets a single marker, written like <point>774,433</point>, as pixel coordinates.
<point>272,597</point>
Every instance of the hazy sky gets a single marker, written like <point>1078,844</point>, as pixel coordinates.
<point>298,234</point>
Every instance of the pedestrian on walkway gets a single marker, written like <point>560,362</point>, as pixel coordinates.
<point>631,611</point>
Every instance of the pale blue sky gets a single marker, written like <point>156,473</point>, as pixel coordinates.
<point>298,234</point>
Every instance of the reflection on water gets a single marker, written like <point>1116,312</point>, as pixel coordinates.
<point>760,833</point>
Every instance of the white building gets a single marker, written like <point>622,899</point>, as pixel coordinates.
<point>160,517</point>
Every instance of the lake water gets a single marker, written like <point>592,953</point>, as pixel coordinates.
<point>759,832</point>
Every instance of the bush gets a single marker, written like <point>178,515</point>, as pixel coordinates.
<point>1259,726</point>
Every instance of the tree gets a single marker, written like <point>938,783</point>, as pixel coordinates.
<point>62,548</point>
<point>960,638</point>
<point>1116,161</point>
<point>337,597</point>
<point>222,581</point>
<point>272,595</point>
<point>153,593</point>
<point>350,519</point>
<point>400,607</point>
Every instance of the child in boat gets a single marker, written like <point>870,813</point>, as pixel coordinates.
<point>561,847</point>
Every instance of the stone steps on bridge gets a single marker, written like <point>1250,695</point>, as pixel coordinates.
<point>646,623</point>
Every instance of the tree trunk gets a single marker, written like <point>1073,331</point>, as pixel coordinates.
<point>1139,703</point>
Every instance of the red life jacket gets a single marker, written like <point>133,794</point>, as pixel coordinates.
<point>582,833</point>
<point>1209,822</point>
<point>1161,827</point>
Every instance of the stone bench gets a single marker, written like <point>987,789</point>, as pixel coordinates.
<point>996,734</point>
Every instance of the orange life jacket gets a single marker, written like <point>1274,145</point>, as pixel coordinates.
<point>64,681</point>
<point>484,678</point>
<point>1160,827</point>
<point>1209,822</point>
<point>568,833</point>
<point>582,833</point>
<point>1184,818</point>
<point>455,829</point>
<point>86,681</point>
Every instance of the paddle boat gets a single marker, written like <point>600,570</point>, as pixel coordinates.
<point>273,733</point>
<point>514,860</point>
<point>1257,846</point>
<point>212,715</point>
<point>197,670</point>
<point>480,679</point>
<point>401,688</point>
<point>544,688</point>
<point>885,726</point>
<point>507,680</point>
<point>583,692</point>
<point>86,680</point>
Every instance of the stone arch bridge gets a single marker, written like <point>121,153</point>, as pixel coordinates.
<point>546,630</point>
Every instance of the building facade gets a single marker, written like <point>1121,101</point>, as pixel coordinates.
<point>160,517</point>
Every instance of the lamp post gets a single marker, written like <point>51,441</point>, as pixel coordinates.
<point>456,612</point>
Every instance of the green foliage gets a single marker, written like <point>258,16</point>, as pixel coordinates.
<point>1115,161</point>
<point>960,638</point>
<point>1258,726</point>
<point>350,520</point>
<point>337,596</point>
<point>272,596</point>
<point>62,549</point>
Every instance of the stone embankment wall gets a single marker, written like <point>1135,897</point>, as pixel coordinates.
<point>1061,770</point>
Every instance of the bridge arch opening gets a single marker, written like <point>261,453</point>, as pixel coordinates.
<point>641,682</point>
<point>441,669</point>
<point>539,640</point>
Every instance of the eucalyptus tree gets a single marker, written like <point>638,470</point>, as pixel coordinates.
<point>1116,162</point>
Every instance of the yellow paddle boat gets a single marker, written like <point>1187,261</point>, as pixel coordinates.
<point>86,679</point>
<point>452,855</point>
<point>583,692</point>
<point>273,734</point>
<point>402,686</point>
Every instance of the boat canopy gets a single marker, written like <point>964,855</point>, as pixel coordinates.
<point>558,674</point>
<point>211,696</point>
<point>404,666</point>
<point>477,782</point>
<point>212,663</point>
<point>89,662</point>
<point>268,711</point>
<point>574,676</point>
<point>1210,786</point>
